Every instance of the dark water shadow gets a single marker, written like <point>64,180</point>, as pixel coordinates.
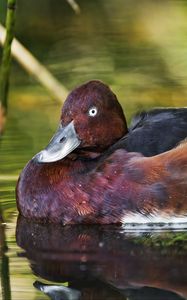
<point>105,262</point>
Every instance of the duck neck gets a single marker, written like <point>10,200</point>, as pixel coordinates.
<point>76,164</point>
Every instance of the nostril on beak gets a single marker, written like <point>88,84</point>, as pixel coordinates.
<point>62,139</point>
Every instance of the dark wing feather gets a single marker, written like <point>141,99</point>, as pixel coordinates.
<point>155,131</point>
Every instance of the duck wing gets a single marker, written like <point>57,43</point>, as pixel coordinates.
<point>155,131</point>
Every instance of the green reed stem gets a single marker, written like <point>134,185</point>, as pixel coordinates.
<point>5,278</point>
<point>4,262</point>
<point>6,57</point>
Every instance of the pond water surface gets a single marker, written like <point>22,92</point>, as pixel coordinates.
<point>140,49</point>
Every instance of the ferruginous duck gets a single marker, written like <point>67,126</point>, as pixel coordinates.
<point>88,174</point>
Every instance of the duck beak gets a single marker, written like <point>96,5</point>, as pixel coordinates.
<point>62,143</point>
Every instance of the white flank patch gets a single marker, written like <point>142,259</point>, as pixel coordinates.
<point>154,222</point>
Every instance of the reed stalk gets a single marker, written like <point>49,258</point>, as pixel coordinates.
<point>74,6</point>
<point>6,57</point>
<point>4,262</point>
<point>31,64</point>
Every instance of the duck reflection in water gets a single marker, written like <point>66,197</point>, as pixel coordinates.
<point>104,262</point>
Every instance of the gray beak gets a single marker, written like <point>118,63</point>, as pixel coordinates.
<point>62,143</point>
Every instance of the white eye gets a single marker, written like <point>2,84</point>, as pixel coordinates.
<point>92,111</point>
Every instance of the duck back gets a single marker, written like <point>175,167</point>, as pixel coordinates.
<point>156,131</point>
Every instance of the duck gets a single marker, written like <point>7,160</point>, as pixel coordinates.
<point>97,171</point>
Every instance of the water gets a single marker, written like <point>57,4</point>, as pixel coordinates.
<point>139,49</point>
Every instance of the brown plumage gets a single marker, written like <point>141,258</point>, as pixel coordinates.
<point>85,175</point>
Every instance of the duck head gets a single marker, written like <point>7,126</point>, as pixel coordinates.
<point>92,119</point>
